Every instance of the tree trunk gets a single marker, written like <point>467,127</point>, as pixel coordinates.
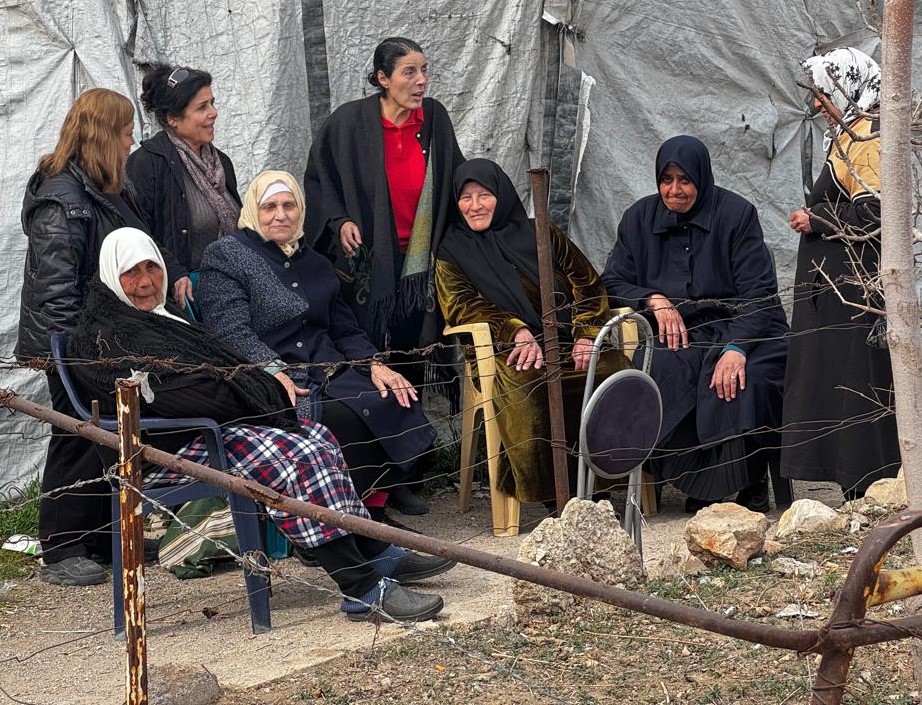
<point>896,263</point>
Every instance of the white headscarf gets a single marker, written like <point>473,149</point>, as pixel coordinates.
<point>856,72</point>
<point>121,250</point>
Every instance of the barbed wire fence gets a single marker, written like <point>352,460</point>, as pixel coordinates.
<point>279,572</point>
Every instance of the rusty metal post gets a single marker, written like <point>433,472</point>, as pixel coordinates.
<point>539,182</point>
<point>132,530</point>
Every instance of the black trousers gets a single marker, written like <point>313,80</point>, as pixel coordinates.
<point>72,521</point>
<point>346,560</point>
<point>370,466</point>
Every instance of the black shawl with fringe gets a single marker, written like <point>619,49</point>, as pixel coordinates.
<point>191,372</point>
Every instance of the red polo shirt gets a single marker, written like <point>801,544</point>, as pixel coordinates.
<point>405,165</point>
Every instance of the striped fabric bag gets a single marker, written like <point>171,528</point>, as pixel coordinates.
<point>192,552</point>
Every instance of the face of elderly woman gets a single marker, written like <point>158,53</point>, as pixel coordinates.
<point>279,216</point>
<point>678,192</point>
<point>407,83</point>
<point>196,125</point>
<point>477,205</point>
<point>143,285</point>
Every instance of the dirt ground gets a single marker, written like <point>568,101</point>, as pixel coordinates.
<point>56,647</point>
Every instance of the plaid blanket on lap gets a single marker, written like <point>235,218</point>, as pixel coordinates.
<point>309,467</point>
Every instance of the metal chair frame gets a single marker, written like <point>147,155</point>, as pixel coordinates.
<point>586,470</point>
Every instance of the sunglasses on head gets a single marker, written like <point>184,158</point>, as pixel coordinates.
<point>177,77</point>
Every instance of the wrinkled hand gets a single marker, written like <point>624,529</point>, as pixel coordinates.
<point>799,220</point>
<point>669,322</point>
<point>582,349</point>
<point>350,238</point>
<point>294,391</point>
<point>182,290</point>
<point>729,375</point>
<point>384,378</point>
<point>526,351</point>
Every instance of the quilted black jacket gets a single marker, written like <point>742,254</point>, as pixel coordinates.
<point>65,218</point>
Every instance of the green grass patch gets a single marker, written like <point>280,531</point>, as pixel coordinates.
<point>18,515</point>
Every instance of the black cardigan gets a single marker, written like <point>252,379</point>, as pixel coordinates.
<point>157,174</point>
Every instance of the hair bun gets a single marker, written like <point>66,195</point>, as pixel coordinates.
<point>373,79</point>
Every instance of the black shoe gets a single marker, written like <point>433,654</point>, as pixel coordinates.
<point>379,515</point>
<point>306,557</point>
<point>754,497</point>
<point>693,505</point>
<point>405,501</point>
<point>417,566</point>
<point>401,605</point>
<point>73,571</point>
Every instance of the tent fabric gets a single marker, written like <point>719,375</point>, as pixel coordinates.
<point>608,79</point>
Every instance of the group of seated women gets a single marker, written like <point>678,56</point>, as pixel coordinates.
<point>292,333</point>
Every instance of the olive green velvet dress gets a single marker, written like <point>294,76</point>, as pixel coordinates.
<point>520,397</point>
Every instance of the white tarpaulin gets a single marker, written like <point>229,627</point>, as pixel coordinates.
<point>517,88</point>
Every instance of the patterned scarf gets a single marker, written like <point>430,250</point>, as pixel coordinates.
<point>858,75</point>
<point>208,175</point>
<point>416,290</point>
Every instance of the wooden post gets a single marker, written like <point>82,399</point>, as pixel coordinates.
<point>132,529</point>
<point>539,181</point>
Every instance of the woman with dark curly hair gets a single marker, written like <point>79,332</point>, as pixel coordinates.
<point>186,187</point>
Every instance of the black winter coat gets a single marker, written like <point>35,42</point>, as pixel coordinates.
<point>156,171</point>
<point>65,218</point>
<point>717,271</point>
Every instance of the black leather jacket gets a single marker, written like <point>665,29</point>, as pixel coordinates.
<point>65,218</point>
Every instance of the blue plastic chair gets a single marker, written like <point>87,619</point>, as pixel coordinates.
<point>244,510</point>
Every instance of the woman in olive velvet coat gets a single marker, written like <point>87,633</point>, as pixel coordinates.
<point>487,270</point>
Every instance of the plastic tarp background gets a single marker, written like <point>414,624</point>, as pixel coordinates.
<point>724,71</point>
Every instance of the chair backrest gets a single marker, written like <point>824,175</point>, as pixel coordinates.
<point>59,355</point>
<point>621,423</point>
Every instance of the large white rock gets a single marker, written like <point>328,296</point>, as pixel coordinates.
<point>807,516</point>
<point>889,492</point>
<point>587,540</point>
<point>726,533</point>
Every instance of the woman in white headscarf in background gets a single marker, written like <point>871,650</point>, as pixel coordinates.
<point>838,423</point>
<point>125,322</point>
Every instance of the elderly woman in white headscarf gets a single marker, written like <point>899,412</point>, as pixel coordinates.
<point>275,301</point>
<point>839,383</point>
<point>126,322</point>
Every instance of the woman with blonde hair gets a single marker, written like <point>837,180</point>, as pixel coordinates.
<point>77,196</point>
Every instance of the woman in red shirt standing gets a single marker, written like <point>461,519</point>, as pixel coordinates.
<point>378,187</point>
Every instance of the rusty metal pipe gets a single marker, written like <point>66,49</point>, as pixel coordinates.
<point>646,604</point>
<point>539,183</point>
<point>837,639</point>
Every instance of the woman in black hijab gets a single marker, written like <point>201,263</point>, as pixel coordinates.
<point>487,271</point>
<point>694,258</point>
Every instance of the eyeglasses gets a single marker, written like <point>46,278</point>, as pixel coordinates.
<point>177,77</point>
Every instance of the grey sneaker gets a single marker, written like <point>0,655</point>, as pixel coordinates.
<point>400,604</point>
<point>76,570</point>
